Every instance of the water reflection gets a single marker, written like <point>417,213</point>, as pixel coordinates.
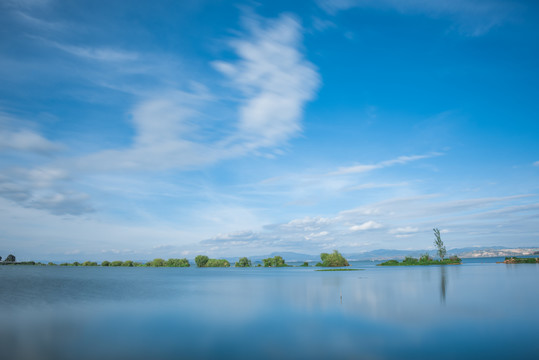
<point>382,313</point>
<point>443,284</point>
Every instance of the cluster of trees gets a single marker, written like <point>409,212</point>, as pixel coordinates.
<point>425,259</point>
<point>10,259</point>
<point>204,261</point>
<point>334,259</point>
<point>130,263</point>
<point>276,261</point>
<point>243,262</point>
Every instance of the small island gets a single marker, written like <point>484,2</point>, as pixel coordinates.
<point>517,260</point>
<point>334,259</point>
<point>426,259</point>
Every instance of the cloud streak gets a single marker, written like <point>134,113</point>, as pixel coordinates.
<point>473,18</point>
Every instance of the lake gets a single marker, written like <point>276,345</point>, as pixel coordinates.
<point>477,309</point>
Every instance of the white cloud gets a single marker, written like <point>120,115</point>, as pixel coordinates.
<point>172,128</point>
<point>368,225</point>
<point>355,169</point>
<point>536,163</point>
<point>404,230</point>
<point>276,79</point>
<point>26,140</point>
<point>472,17</point>
<point>100,54</point>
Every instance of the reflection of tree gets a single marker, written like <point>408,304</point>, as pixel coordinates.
<point>443,283</point>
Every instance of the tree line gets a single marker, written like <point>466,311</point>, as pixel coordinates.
<point>334,259</point>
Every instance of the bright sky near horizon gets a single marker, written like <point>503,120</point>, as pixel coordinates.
<point>136,129</point>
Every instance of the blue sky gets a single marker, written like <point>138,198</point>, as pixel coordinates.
<point>134,129</point>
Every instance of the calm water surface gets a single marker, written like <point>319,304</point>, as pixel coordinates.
<point>478,309</point>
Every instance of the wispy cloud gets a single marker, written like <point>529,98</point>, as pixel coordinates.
<point>368,225</point>
<point>275,81</point>
<point>472,18</point>
<point>16,135</point>
<point>536,163</point>
<point>275,78</point>
<point>406,218</point>
<point>355,169</point>
<point>101,54</point>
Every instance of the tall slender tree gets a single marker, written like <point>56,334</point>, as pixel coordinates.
<point>439,244</point>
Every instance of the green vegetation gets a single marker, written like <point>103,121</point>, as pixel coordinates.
<point>158,262</point>
<point>204,261</point>
<point>339,269</point>
<point>334,259</point>
<point>439,244</point>
<point>305,264</point>
<point>178,263</point>
<point>517,260</point>
<point>201,260</point>
<point>217,263</point>
<point>89,263</point>
<point>423,260</point>
<point>276,261</point>
<point>105,263</point>
<point>10,259</point>
<point>243,262</point>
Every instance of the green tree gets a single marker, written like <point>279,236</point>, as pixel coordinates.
<point>51,263</point>
<point>178,263</point>
<point>217,263</point>
<point>105,263</point>
<point>158,262</point>
<point>243,262</point>
<point>128,263</point>
<point>10,258</point>
<point>425,258</point>
<point>276,261</point>
<point>89,263</point>
<point>334,259</point>
<point>76,263</point>
<point>201,260</point>
<point>116,263</point>
<point>439,244</point>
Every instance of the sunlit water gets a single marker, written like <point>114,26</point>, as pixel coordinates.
<point>475,310</point>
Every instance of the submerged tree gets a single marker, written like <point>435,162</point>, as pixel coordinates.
<point>276,261</point>
<point>334,259</point>
<point>439,244</point>
<point>243,262</point>
<point>201,260</point>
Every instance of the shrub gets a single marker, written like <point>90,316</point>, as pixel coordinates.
<point>51,263</point>
<point>410,260</point>
<point>389,263</point>
<point>305,264</point>
<point>425,258</point>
